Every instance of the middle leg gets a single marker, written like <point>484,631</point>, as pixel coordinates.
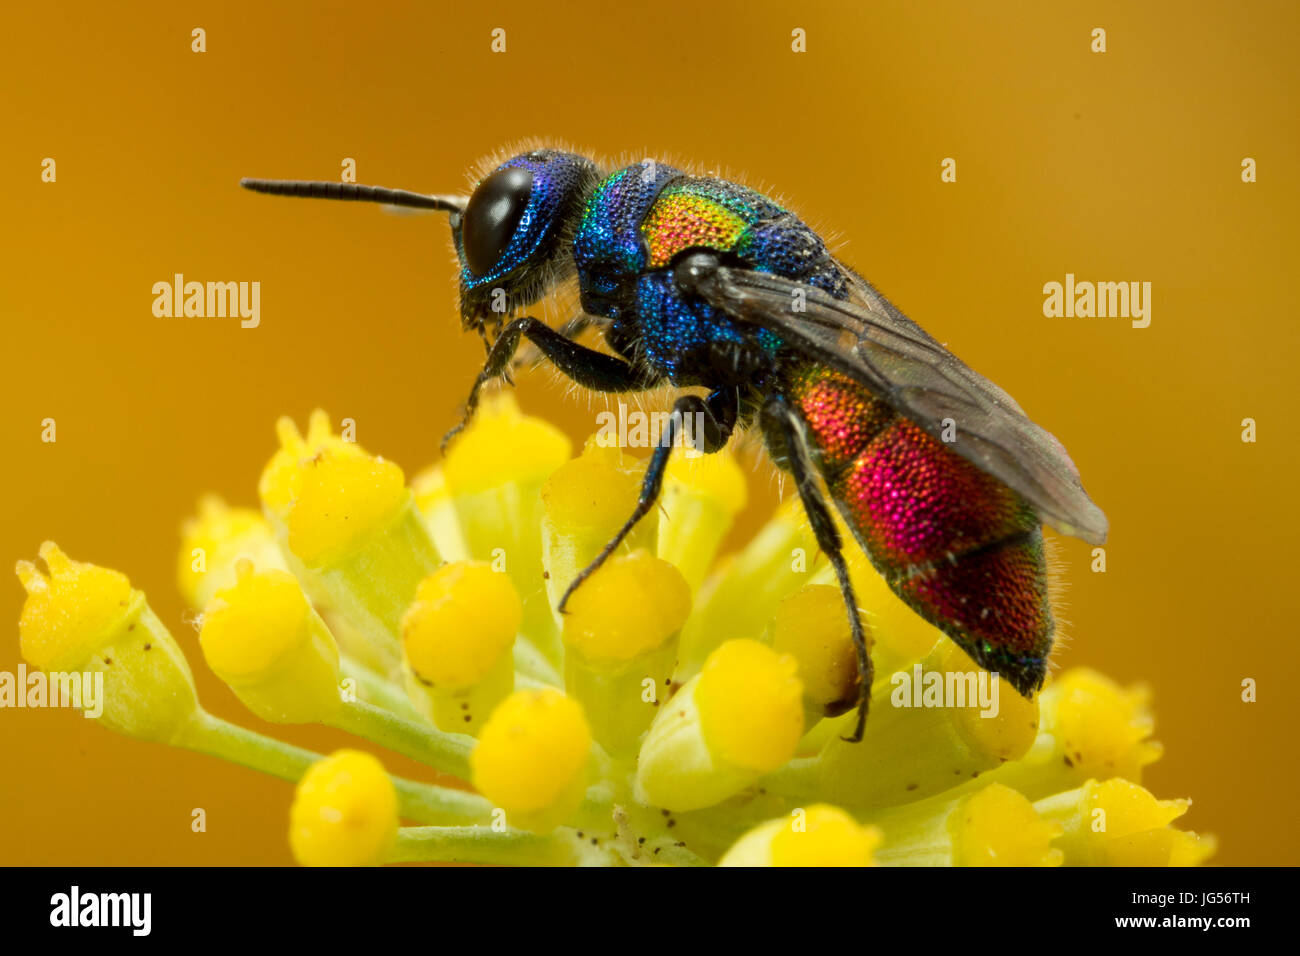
<point>718,414</point>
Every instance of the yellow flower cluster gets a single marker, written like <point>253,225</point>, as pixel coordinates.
<point>686,709</point>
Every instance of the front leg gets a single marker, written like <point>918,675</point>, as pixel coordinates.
<point>718,414</point>
<point>585,366</point>
<point>530,357</point>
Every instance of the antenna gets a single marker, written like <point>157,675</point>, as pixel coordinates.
<point>352,192</point>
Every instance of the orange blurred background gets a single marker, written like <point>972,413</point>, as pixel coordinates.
<point>1117,166</point>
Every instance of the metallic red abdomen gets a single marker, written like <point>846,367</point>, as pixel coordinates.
<point>960,547</point>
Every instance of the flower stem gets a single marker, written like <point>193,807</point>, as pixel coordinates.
<point>448,753</point>
<point>479,845</point>
<point>376,690</point>
<point>425,803</point>
<point>429,803</point>
<point>216,737</point>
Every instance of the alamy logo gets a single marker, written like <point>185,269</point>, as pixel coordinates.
<point>208,300</point>
<point>57,689</point>
<point>637,429</point>
<point>103,909</point>
<point>921,688</point>
<point>1122,300</point>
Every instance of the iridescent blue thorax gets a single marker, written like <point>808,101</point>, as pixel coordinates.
<point>608,249</point>
<point>639,219</point>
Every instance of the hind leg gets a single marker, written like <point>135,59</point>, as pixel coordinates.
<point>779,419</point>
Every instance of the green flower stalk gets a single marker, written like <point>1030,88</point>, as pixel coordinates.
<point>688,709</point>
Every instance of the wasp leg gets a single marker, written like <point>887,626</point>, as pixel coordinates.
<point>587,367</point>
<point>778,413</point>
<point>718,414</point>
<point>531,358</point>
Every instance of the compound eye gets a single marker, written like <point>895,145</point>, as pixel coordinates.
<point>492,215</point>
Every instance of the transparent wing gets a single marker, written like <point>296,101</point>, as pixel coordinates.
<point>868,339</point>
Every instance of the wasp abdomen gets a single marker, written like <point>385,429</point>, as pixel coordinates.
<point>959,546</point>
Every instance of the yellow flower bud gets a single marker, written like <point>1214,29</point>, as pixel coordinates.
<point>81,617</point>
<point>972,825</point>
<point>457,638</point>
<point>1103,729</point>
<point>211,543</point>
<point>593,495</point>
<point>343,500</point>
<point>503,446</point>
<point>1118,823</point>
<point>279,485</point>
<point>263,639</point>
<point>999,827</point>
<point>631,606</point>
<point>532,758</point>
<point>1164,847</point>
<point>344,812</point>
<point>822,835</point>
<point>620,636</point>
<point>587,500</point>
<point>748,697</point>
<point>1090,728</point>
<point>739,718</point>
<point>70,613</point>
<point>812,626</point>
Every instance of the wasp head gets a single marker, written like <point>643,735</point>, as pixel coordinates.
<point>511,233</point>
<point>512,236</point>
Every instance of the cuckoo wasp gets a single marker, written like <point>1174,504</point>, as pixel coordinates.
<point>696,281</point>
